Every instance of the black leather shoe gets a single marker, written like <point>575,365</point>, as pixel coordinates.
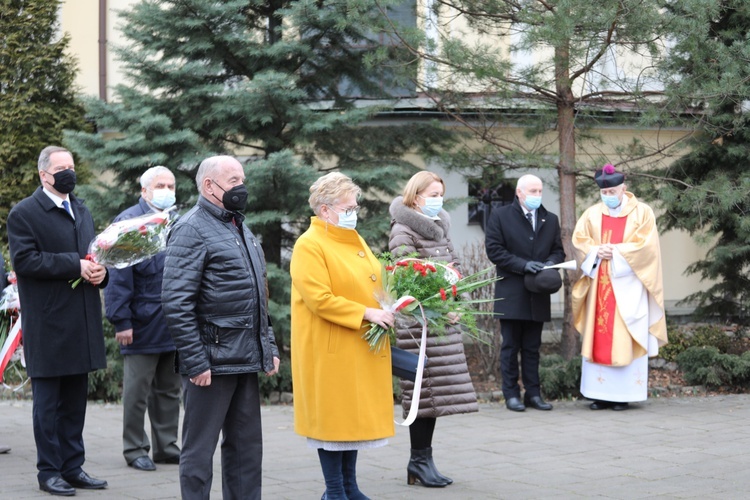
<point>142,463</point>
<point>57,486</point>
<point>514,404</point>
<point>620,406</point>
<point>537,403</point>
<point>600,405</point>
<point>175,460</point>
<point>86,482</point>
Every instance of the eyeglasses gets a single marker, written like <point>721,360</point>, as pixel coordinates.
<point>347,211</point>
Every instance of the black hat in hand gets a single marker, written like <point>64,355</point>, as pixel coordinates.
<point>545,281</point>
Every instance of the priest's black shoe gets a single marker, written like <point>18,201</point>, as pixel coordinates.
<point>86,482</point>
<point>143,463</point>
<point>600,405</point>
<point>57,486</point>
<point>514,404</point>
<point>537,403</point>
<point>620,406</point>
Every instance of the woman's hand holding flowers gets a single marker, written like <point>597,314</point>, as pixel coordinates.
<point>384,319</point>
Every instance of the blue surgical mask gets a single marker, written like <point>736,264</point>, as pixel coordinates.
<point>432,206</point>
<point>611,201</point>
<point>163,198</point>
<point>347,221</point>
<point>533,202</point>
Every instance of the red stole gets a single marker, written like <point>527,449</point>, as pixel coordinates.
<point>613,229</point>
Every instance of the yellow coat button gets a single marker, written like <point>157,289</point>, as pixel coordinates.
<point>361,253</point>
<point>374,278</point>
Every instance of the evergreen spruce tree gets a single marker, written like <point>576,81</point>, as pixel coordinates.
<point>706,191</point>
<point>37,95</point>
<point>289,84</point>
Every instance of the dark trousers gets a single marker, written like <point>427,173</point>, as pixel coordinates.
<point>150,382</point>
<point>524,337</point>
<point>230,405</point>
<point>58,416</point>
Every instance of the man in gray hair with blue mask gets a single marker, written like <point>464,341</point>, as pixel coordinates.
<point>521,239</point>
<point>133,306</point>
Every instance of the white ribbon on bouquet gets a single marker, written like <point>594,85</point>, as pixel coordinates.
<point>411,416</point>
<point>10,345</point>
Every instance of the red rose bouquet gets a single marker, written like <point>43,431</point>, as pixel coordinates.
<point>130,241</point>
<point>430,292</point>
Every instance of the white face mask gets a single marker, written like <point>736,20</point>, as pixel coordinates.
<point>432,206</point>
<point>163,198</point>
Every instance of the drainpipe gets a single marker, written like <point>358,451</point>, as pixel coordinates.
<point>103,50</point>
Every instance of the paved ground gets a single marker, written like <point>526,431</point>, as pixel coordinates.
<point>697,447</point>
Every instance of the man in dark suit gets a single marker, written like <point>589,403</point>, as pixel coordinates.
<point>49,234</point>
<point>521,239</point>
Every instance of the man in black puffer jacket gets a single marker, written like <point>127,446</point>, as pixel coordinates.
<point>215,303</point>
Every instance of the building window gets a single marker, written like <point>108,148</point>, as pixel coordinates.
<point>487,196</point>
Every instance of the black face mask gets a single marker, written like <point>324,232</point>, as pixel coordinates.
<point>65,181</point>
<point>234,200</point>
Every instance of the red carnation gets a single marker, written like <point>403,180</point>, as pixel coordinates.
<point>143,230</point>
<point>443,296</point>
<point>389,268</point>
<point>454,290</point>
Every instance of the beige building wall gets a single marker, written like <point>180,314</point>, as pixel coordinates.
<point>80,19</point>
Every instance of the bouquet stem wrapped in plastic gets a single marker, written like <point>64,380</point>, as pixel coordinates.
<point>130,241</point>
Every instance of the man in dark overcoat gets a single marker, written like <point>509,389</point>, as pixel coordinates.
<point>49,234</point>
<point>521,239</point>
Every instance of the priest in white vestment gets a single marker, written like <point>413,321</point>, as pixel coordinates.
<point>618,303</point>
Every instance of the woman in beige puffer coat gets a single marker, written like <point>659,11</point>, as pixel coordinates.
<point>419,225</point>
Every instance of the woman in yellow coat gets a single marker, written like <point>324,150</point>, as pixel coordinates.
<point>343,396</point>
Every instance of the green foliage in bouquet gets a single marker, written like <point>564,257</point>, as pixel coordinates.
<point>438,288</point>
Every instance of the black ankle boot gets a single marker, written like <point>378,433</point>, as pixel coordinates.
<point>421,469</point>
<point>445,479</point>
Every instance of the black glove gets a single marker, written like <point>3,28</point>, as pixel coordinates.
<point>549,263</point>
<point>533,267</point>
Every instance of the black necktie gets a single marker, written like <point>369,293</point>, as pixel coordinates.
<point>530,218</point>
